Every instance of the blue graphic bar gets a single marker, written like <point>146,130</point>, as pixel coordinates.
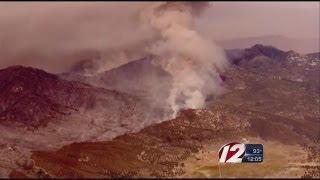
<point>253,153</point>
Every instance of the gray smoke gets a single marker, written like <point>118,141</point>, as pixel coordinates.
<point>192,59</point>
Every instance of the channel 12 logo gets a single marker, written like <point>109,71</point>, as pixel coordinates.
<point>241,153</point>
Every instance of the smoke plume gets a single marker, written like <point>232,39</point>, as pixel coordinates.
<point>192,60</point>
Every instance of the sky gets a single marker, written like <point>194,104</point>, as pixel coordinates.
<point>245,19</point>
<point>30,31</point>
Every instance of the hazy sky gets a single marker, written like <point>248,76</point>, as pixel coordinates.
<point>30,31</point>
<point>224,19</point>
<point>245,19</point>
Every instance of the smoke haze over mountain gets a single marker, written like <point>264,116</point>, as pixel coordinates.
<point>53,36</point>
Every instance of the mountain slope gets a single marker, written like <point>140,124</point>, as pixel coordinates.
<point>142,76</point>
<point>33,96</point>
<point>272,95</point>
<point>39,109</point>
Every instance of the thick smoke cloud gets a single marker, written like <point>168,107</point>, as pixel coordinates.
<point>53,36</point>
<point>192,60</point>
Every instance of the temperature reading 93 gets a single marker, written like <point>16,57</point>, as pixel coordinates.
<point>256,151</point>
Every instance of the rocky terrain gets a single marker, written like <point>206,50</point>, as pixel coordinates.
<point>270,94</point>
<point>142,77</point>
<point>40,110</point>
<point>33,98</point>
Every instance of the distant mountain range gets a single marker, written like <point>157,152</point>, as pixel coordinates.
<point>302,46</point>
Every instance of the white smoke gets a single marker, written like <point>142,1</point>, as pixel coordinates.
<point>193,60</point>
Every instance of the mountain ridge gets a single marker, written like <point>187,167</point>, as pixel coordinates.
<point>271,94</point>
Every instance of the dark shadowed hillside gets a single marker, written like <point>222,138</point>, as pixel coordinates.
<point>33,97</point>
